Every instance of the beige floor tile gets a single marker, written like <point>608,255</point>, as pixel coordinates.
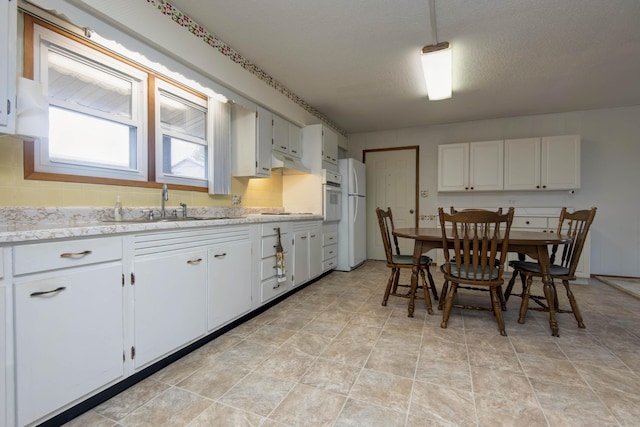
<point>225,416</point>
<point>174,407</point>
<point>308,406</point>
<point>605,378</point>
<point>307,343</point>
<point>257,393</point>
<point>358,413</point>
<point>92,419</point>
<point>247,353</point>
<point>551,370</point>
<point>382,389</point>
<point>215,379</point>
<point>442,405</point>
<point>131,399</point>
<point>496,411</point>
<point>332,376</point>
<point>624,406</point>
<point>287,364</point>
<point>348,352</point>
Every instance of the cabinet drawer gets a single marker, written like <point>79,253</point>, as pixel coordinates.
<point>330,251</point>
<point>329,264</point>
<point>268,268</point>
<point>72,253</point>
<point>329,238</point>
<point>529,222</point>
<point>270,229</point>
<point>272,288</point>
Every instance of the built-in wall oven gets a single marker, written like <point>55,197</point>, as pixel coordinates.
<point>331,195</point>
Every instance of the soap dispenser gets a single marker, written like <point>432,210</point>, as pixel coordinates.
<point>117,210</point>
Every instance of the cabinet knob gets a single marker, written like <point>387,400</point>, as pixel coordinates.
<point>75,254</point>
<point>527,223</point>
<point>194,261</point>
<point>222,255</point>
<point>537,186</point>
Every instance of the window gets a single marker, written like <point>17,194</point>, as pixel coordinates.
<point>113,120</point>
<point>181,142</point>
<point>97,111</point>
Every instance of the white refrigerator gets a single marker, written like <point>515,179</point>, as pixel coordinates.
<point>352,227</point>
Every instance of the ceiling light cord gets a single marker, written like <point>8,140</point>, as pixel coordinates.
<point>432,16</point>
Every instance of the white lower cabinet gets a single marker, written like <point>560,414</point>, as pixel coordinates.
<point>3,344</point>
<point>270,287</point>
<point>307,251</point>
<point>69,338</point>
<point>229,281</point>
<point>169,303</point>
<point>329,246</point>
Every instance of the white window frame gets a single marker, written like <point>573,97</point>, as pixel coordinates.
<point>162,130</point>
<point>43,38</point>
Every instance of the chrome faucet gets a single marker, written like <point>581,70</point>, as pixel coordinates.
<point>165,197</point>
<point>184,210</point>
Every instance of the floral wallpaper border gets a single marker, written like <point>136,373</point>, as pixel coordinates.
<point>197,30</point>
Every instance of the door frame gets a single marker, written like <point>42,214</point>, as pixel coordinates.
<point>416,148</point>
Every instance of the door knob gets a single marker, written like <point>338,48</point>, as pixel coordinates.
<point>410,211</point>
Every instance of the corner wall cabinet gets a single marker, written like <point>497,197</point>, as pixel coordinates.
<point>547,163</point>
<point>68,323</point>
<point>322,136</point>
<point>251,135</point>
<point>475,166</point>
<point>8,45</point>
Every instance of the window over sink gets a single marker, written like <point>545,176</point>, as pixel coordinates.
<point>113,120</point>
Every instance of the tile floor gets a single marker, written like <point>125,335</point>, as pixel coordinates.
<point>331,355</point>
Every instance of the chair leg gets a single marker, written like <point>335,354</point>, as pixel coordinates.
<point>507,292</point>
<point>448,305</point>
<point>524,306</point>
<point>574,304</point>
<point>503,301</point>
<point>497,309</point>
<point>443,294</point>
<point>432,285</point>
<point>396,278</point>
<point>387,291</point>
<point>425,288</point>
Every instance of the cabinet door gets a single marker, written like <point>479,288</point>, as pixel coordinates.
<point>8,13</point>
<point>329,146</point>
<point>315,253</point>
<point>300,257</point>
<point>486,160</point>
<point>561,162</point>
<point>169,302</point>
<point>229,282</point>
<point>522,164</point>
<point>69,339</point>
<point>453,167</point>
<point>280,135</point>
<point>3,352</point>
<point>295,141</point>
<point>263,147</point>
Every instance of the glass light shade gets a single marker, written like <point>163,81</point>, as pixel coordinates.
<point>436,66</point>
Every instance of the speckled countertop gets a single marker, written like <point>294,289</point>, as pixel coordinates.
<point>33,224</point>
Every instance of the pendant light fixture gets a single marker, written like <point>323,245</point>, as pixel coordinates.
<point>436,63</point>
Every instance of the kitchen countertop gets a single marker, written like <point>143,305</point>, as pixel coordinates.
<point>27,225</point>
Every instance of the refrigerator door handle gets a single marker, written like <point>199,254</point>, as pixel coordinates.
<point>355,212</point>
<point>355,181</point>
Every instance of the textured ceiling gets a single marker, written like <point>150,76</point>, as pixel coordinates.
<point>357,61</point>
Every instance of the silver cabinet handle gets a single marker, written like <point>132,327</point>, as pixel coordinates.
<point>222,255</point>
<point>194,261</point>
<point>52,291</point>
<point>75,254</point>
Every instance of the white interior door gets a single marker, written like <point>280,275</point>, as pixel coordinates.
<point>391,182</point>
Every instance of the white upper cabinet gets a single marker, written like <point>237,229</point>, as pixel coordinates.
<point>287,137</point>
<point>251,137</point>
<point>8,14</point>
<point>329,146</point>
<point>280,135</point>
<point>475,166</point>
<point>548,163</point>
<point>295,140</point>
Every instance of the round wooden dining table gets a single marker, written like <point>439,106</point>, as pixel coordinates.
<point>532,243</point>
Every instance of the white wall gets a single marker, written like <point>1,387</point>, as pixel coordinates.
<point>610,159</point>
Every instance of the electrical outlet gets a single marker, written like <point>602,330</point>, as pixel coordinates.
<point>424,193</point>
<point>236,200</point>
<point>512,202</point>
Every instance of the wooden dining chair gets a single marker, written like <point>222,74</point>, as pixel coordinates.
<point>445,285</point>
<point>475,245</point>
<point>562,267</point>
<point>396,261</point>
